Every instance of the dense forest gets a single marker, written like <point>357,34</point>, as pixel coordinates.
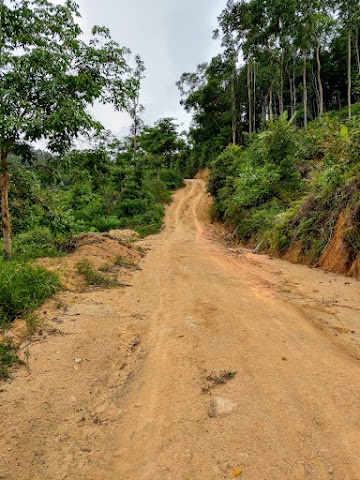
<point>284,94</point>
<point>276,118</point>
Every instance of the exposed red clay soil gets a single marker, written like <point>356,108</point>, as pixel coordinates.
<point>337,256</point>
<point>215,363</point>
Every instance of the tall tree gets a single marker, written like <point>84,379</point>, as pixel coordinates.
<point>350,19</point>
<point>134,106</point>
<point>162,141</point>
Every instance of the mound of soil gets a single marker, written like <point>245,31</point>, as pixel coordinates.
<point>100,249</point>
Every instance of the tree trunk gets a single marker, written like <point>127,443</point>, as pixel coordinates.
<point>349,73</point>
<point>294,84</point>
<point>271,113</point>
<point>135,145</point>
<point>357,50</point>
<point>281,95</point>
<point>5,214</point>
<point>305,92</point>
<point>249,95</point>
<point>292,108</point>
<point>233,103</point>
<point>135,132</point>
<point>320,86</point>
<point>254,100</point>
<point>263,108</point>
<point>316,100</point>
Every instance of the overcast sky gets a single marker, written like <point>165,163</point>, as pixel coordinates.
<point>171,36</point>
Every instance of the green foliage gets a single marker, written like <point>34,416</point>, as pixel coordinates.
<point>36,243</point>
<point>23,288</point>
<point>288,187</point>
<point>90,194</point>
<point>94,277</point>
<point>42,47</point>
<point>172,179</point>
<point>335,187</point>
<point>157,189</point>
<point>8,359</point>
<point>252,186</point>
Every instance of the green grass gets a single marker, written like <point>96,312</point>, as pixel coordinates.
<point>94,277</point>
<point>124,262</point>
<point>36,243</point>
<point>23,288</point>
<point>8,359</point>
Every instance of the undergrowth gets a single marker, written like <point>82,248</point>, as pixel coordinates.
<point>121,261</point>
<point>94,277</point>
<point>289,186</point>
<point>23,288</point>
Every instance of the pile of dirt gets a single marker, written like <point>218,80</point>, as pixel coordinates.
<point>102,250</point>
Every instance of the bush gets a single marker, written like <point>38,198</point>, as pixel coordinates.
<point>158,190</point>
<point>23,288</point>
<point>104,224</point>
<point>39,242</point>
<point>252,186</point>
<point>171,178</point>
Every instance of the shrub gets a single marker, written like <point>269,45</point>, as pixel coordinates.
<point>23,288</point>
<point>39,242</point>
<point>171,178</point>
<point>158,189</point>
<point>104,224</point>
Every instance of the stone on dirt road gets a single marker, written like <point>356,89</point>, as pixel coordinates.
<point>221,407</point>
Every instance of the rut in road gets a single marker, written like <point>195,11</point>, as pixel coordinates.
<point>195,311</point>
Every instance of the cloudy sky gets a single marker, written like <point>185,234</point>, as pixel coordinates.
<point>171,36</point>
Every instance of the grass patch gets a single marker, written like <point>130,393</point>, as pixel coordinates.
<point>106,268</point>
<point>36,243</point>
<point>94,277</point>
<point>23,288</point>
<point>8,359</point>
<point>124,262</point>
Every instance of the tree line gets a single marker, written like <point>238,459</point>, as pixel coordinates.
<point>299,56</point>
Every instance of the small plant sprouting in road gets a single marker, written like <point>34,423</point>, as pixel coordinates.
<point>8,359</point>
<point>218,378</point>
<point>61,306</point>
<point>93,277</point>
<point>106,268</point>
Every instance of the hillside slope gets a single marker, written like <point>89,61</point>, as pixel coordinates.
<point>295,193</point>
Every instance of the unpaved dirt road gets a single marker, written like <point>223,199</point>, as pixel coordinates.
<point>119,391</point>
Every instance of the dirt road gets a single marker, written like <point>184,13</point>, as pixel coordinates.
<point>126,389</point>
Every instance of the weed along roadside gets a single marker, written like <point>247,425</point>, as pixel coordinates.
<point>97,261</point>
